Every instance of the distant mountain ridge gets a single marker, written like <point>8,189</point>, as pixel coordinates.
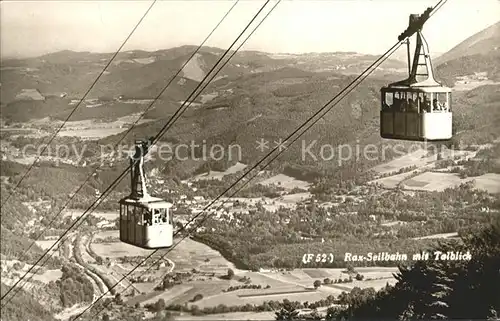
<point>485,42</point>
<point>134,72</point>
<point>478,54</point>
<point>257,96</point>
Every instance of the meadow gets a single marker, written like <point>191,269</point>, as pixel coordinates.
<point>433,181</point>
<point>285,181</point>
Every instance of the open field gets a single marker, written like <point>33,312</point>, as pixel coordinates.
<point>193,69</point>
<point>296,278</point>
<point>118,249</point>
<point>489,182</point>
<point>49,275</point>
<point>144,287</point>
<point>287,182</point>
<point>90,129</point>
<point>437,180</point>
<point>190,254</point>
<point>74,213</point>
<point>205,98</point>
<point>264,280</point>
<point>296,198</point>
<point>91,133</point>
<point>296,285</point>
<point>85,129</point>
<point>105,234</point>
<point>10,275</point>
<point>293,285</point>
<point>389,224</point>
<point>259,297</point>
<point>432,181</point>
<point>437,236</point>
<point>421,159</point>
<point>306,277</point>
<point>469,84</point>
<point>45,244</point>
<point>231,316</point>
<point>288,201</point>
<point>376,284</point>
<point>210,290</point>
<point>392,181</point>
<point>317,273</point>
<point>272,204</point>
<point>169,295</point>
<point>275,293</point>
<point>417,158</point>
<point>238,167</point>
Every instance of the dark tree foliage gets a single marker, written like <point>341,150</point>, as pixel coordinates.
<point>74,286</point>
<point>23,307</point>
<point>279,239</point>
<point>287,312</point>
<point>438,289</point>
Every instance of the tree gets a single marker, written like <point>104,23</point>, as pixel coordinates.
<point>287,312</point>
<point>198,297</point>
<point>315,315</point>
<point>160,305</point>
<point>317,284</point>
<point>440,289</point>
<point>118,299</point>
<point>333,313</point>
<point>351,270</point>
<point>230,274</point>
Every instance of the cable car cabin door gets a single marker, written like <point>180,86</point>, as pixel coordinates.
<point>124,222</point>
<point>145,220</point>
<point>132,224</point>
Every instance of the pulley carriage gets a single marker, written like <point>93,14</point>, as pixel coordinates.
<point>145,221</point>
<point>417,108</point>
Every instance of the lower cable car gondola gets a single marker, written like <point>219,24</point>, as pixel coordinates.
<point>145,221</point>
<point>417,108</point>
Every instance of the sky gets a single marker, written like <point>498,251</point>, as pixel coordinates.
<point>33,28</point>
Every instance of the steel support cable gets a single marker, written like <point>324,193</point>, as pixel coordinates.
<point>204,210</point>
<point>347,90</point>
<point>123,137</point>
<point>117,180</point>
<point>155,251</point>
<point>263,159</point>
<point>190,99</point>
<point>126,133</point>
<point>79,103</point>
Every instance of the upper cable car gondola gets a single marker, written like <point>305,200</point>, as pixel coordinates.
<point>145,221</point>
<point>417,108</point>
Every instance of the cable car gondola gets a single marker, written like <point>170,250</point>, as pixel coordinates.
<point>417,108</point>
<point>145,221</point>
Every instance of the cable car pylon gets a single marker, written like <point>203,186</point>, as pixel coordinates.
<point>145,220</point>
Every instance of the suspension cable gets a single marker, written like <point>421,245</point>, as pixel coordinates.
<point>109,189</point>
<point>51,222</point>
<point>155,251</point>
<point>322,112</point>
<point>79,103</point>
<point>344,93</point>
